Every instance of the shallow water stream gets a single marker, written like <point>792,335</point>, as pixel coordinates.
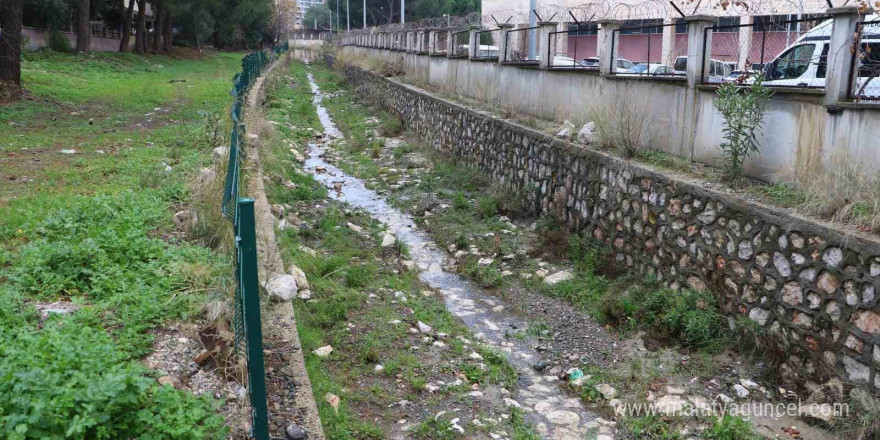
<point>555,415</point>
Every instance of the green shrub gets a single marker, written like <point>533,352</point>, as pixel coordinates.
<point>731,428</point>
<point>70,381</point>
<point>651,428</point>
<point>460,202</point>
<point>688,316</point>
<point>58,42</point>
<point>487,207</point>
<point>743,111</point>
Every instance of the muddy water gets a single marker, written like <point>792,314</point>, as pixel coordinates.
<point>555,415</point>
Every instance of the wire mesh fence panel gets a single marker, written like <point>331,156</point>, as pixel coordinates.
<point>424,42</point>
<point>650,49</point>
<point>441,45</point>
<point>866,63</point>
<point>522,45</point>
<point>487,47</point>
<point>785,52</point>
<point>575,48</point>
<point>460,43</point>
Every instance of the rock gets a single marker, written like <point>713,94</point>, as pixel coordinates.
<point>295,432</point>
<point>277,210</point>
<point>181,219</point>
<point>378,368</point>
<point>476,356</point>
<point>220,152</point>
<point>424,328</point>
<point>408,265</point>
<point>207,175</point>
<point>585,135</point>
<point>566,130</point>
<point>388,240</point>
<point>508,402</point>
<point>541,273</point>
<point>558,277</point>
<point>323,352</point>
<point>741,391</point>
<point>724,398</point>
<point>541,366</point>
<point>165,381</point>
<point>674,390</point>
<point>282,287</point>
<point>308,250</point>
<point>68,151</point>
<point>748,383</point>
<point>485,262</point>
<point>302,283</point>
<point>608,392</point>
<point>333,400</point>
<point>355,228</point>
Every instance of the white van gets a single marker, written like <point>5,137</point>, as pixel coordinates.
<point>718,70</point>
<point>805,62</point>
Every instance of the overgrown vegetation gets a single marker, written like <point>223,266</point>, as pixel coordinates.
<point>742,108</point>
<point>93,236</point>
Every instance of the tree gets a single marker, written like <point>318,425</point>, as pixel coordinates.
<point>283,19</point>
<point>125,41</point>
<point>317,16</point>
<point>83,16</point>
<point>140,43</point>
<point>10,48</point>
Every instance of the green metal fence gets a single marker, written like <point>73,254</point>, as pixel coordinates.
<point>240,211</point>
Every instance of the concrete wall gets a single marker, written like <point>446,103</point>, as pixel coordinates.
<point>797,129</point>
<point>38,38</point>
<point>812,287</point>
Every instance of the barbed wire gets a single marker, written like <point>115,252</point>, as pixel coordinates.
<point>595,10</point>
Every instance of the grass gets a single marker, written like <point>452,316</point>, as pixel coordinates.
<point>95,229</point>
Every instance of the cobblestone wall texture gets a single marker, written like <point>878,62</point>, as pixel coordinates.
<point>813,286</point>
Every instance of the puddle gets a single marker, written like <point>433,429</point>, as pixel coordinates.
<point>555,415</point>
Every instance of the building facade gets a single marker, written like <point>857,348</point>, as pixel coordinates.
<point>302,7</point>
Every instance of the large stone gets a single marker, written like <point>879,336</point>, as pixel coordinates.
<point>608,392</point>
<point>282,287</point>
<point>867,321</point>
<point>566,130</point>
<point>670,405</point>
<point>783,267</point>
<point>792,293</point>
<point>828,282</point>
<point>855,370</point>
<point>759,315</point>
<point>388,240</point>
<point>832,256</point>
<point>558,277</point>
<point>585,135</point>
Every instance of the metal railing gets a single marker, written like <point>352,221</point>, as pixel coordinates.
<point>571,52</point>
<point>486,49</point>
<point>460,43</point>
<point>246,321</point>
<point>766,47</point>
<point>517,42</point>
<point>646,53</point>
<point>865,65</point>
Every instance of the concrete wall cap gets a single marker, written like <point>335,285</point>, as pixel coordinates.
<point>843,10</point>
<point>608,21</point>
<point>691,18</point>
<point>505,25</point>
<point>547,23</point>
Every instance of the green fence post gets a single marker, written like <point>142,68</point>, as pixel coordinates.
<point>250,294</point>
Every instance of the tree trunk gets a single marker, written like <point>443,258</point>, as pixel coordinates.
<point>166,24</point>
<point>125,42</point>
<point>10,48</point>
<point>140,44</point>
<point>158,12</point>
<point>82,26</point>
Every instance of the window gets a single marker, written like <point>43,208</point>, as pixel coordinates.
<point>726,24</point>
<point>652,26</point>
<point>624,64</point>
<point>793,63</point>
<point>681,26</point>
<point>585,29</point>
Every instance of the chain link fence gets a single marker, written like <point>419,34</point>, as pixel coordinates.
<point>649,48</point>
<point>460,43</point>
<point>866,62</point>
<point>522,46</point>
<point>246,322</point>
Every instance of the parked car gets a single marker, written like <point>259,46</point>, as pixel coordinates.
<point>735,75</point>
<point>590,62</point>
<point>623,65</point>
<point>718,69</point>
<point>650,69</point>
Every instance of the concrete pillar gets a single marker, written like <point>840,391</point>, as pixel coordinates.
<point>667,50</point>
<point>450,43</point>
<point>410,39</point>
<point>697,64</point>
<point>432,41</point>
<point>838,81</point>
<point>608,46</point>
<point>473,42</point>
<point>546,45</point>
<point>504,44</point>
<point>562,39</point>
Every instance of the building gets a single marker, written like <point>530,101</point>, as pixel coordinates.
<point>302,7</point>
<point>653,31</point>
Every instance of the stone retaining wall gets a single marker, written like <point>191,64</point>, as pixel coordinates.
<point>812,285</point>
